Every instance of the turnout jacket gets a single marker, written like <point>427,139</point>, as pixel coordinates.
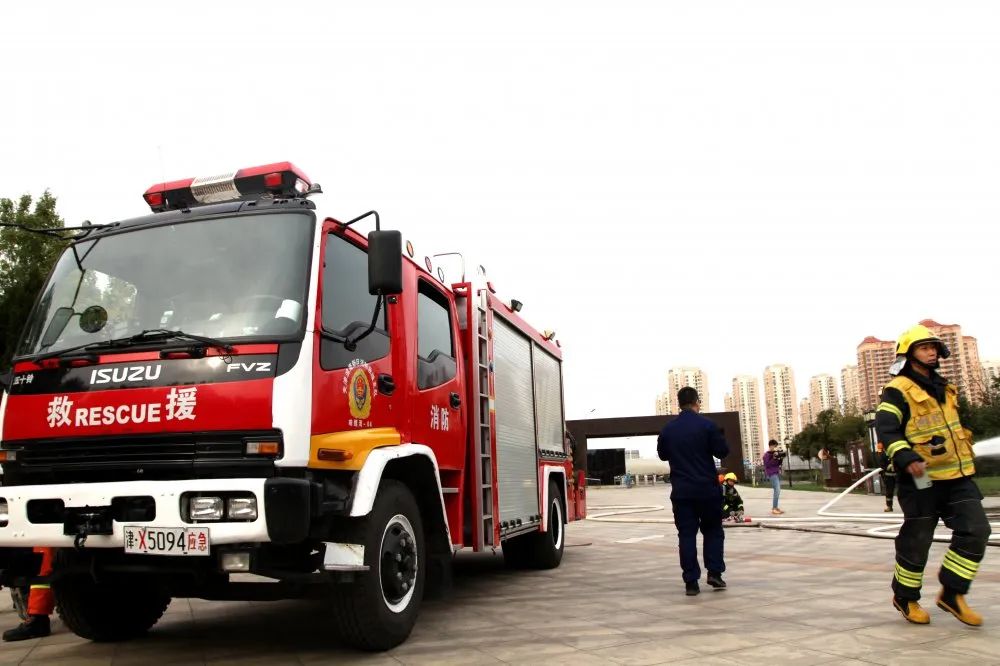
<point>918,420</point>
<point>731,500</point>
<point>886,464</point>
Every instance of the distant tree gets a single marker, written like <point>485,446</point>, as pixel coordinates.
<point>848,429</point>
<point>982,419</point>
<point>831,431</point>
<point>806,444</point>
<point>25,261</point>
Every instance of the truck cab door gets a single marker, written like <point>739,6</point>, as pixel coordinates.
<point>353,389</point>
<point>438,409</point>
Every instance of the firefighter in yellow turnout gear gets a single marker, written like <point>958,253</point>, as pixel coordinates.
<point>917,420</point>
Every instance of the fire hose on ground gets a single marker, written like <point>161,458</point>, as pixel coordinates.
<point>615,514</point>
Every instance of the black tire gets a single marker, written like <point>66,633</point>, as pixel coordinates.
<point>109,612</point>
<point>540,550</point>
<point>378,609</point>
<point>548,546</point>
<point>516,551</point>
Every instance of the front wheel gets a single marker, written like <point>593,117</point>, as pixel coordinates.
<point>377,611</point>
<point>107,611</point>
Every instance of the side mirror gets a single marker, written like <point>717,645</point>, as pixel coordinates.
<point>55,328</point>
<point>385,262</point>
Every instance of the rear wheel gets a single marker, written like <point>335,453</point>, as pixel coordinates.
<point>540,550</point>
<point>377,611</point>
<point>549,545</point>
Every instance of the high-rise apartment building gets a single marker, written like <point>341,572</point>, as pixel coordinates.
<point>874,358</point>
<point>973,368</point>
<point>782,406</point>
<point>678,378</point>
<point>728,403</point>
<point>806,415</point>
<point>823,394</point>
<point>962,367</point>
<point>745,399</point>
<point>850,389</point>
<point>663,404</point>
<point>991,371</point>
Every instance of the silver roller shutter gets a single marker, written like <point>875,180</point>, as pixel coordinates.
<point>548,401</point>
<point>517,466</point>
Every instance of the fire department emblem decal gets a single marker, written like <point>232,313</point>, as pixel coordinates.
<point>358,386</point>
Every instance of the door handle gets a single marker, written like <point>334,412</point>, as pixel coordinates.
<point>456,401</point>
<point>386,384</point>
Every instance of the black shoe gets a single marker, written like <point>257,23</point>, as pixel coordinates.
<point>691,589</point>
<point>715,580</point>
<point>37,626</point>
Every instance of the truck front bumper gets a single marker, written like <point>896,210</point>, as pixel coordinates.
<point>283,511</point>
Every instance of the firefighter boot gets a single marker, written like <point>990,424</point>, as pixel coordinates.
<point>912,611</point>
<point>36,626</point>
<point>954,603</point>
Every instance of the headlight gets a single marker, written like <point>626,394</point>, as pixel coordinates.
<point>4,512</point>
<point>242,508</point>
<point>205,508</point>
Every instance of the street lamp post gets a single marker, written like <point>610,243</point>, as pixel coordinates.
<point>788,458</point>
<point>869,418</point>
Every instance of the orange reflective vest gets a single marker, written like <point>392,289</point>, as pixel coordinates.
<point>950,455</point>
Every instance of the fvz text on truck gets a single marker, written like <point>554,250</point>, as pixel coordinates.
<point>234,384</point>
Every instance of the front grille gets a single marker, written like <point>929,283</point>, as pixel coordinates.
<point>158,457</point>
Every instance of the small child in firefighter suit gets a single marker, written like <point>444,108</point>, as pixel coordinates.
<point>732,503</point>
<point>41,603</point>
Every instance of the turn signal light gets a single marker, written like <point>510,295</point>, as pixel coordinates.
<point>263,448</point>
<point>334,455</point>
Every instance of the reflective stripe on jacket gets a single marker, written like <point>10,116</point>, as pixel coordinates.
<point>933,431</point>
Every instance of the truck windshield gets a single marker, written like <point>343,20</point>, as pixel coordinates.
<point>229,278</point>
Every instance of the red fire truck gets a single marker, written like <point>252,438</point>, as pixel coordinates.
<point>236,385</point>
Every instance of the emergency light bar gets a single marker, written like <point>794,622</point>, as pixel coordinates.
<point>282,179</point>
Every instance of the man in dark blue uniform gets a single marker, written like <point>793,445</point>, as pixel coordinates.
<point>690,443</point>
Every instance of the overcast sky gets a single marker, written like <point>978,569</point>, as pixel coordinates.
<point>719,184</point>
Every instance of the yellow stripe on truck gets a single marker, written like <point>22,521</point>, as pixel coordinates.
<point>349,449</point>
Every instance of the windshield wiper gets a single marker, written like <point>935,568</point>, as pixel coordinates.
<point>150,335</point>
<point>154,334</point>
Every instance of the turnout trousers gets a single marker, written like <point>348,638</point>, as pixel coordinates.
<point>959,504</point>
<point>41,601</point>
<point>889,481</point>
<point>690,516</point>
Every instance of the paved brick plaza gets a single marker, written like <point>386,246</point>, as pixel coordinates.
<point>795,598</point>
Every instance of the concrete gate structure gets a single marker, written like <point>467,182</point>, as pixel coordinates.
<point>636,426</point>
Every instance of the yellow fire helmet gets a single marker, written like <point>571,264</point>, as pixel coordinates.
<point>730,475</point>
<point>914,336</point>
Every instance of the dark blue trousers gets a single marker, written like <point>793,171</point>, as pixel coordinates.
<point>690,515</point>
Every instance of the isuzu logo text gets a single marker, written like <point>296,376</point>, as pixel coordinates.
<point>248,367</point>
<point>128,373</point>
